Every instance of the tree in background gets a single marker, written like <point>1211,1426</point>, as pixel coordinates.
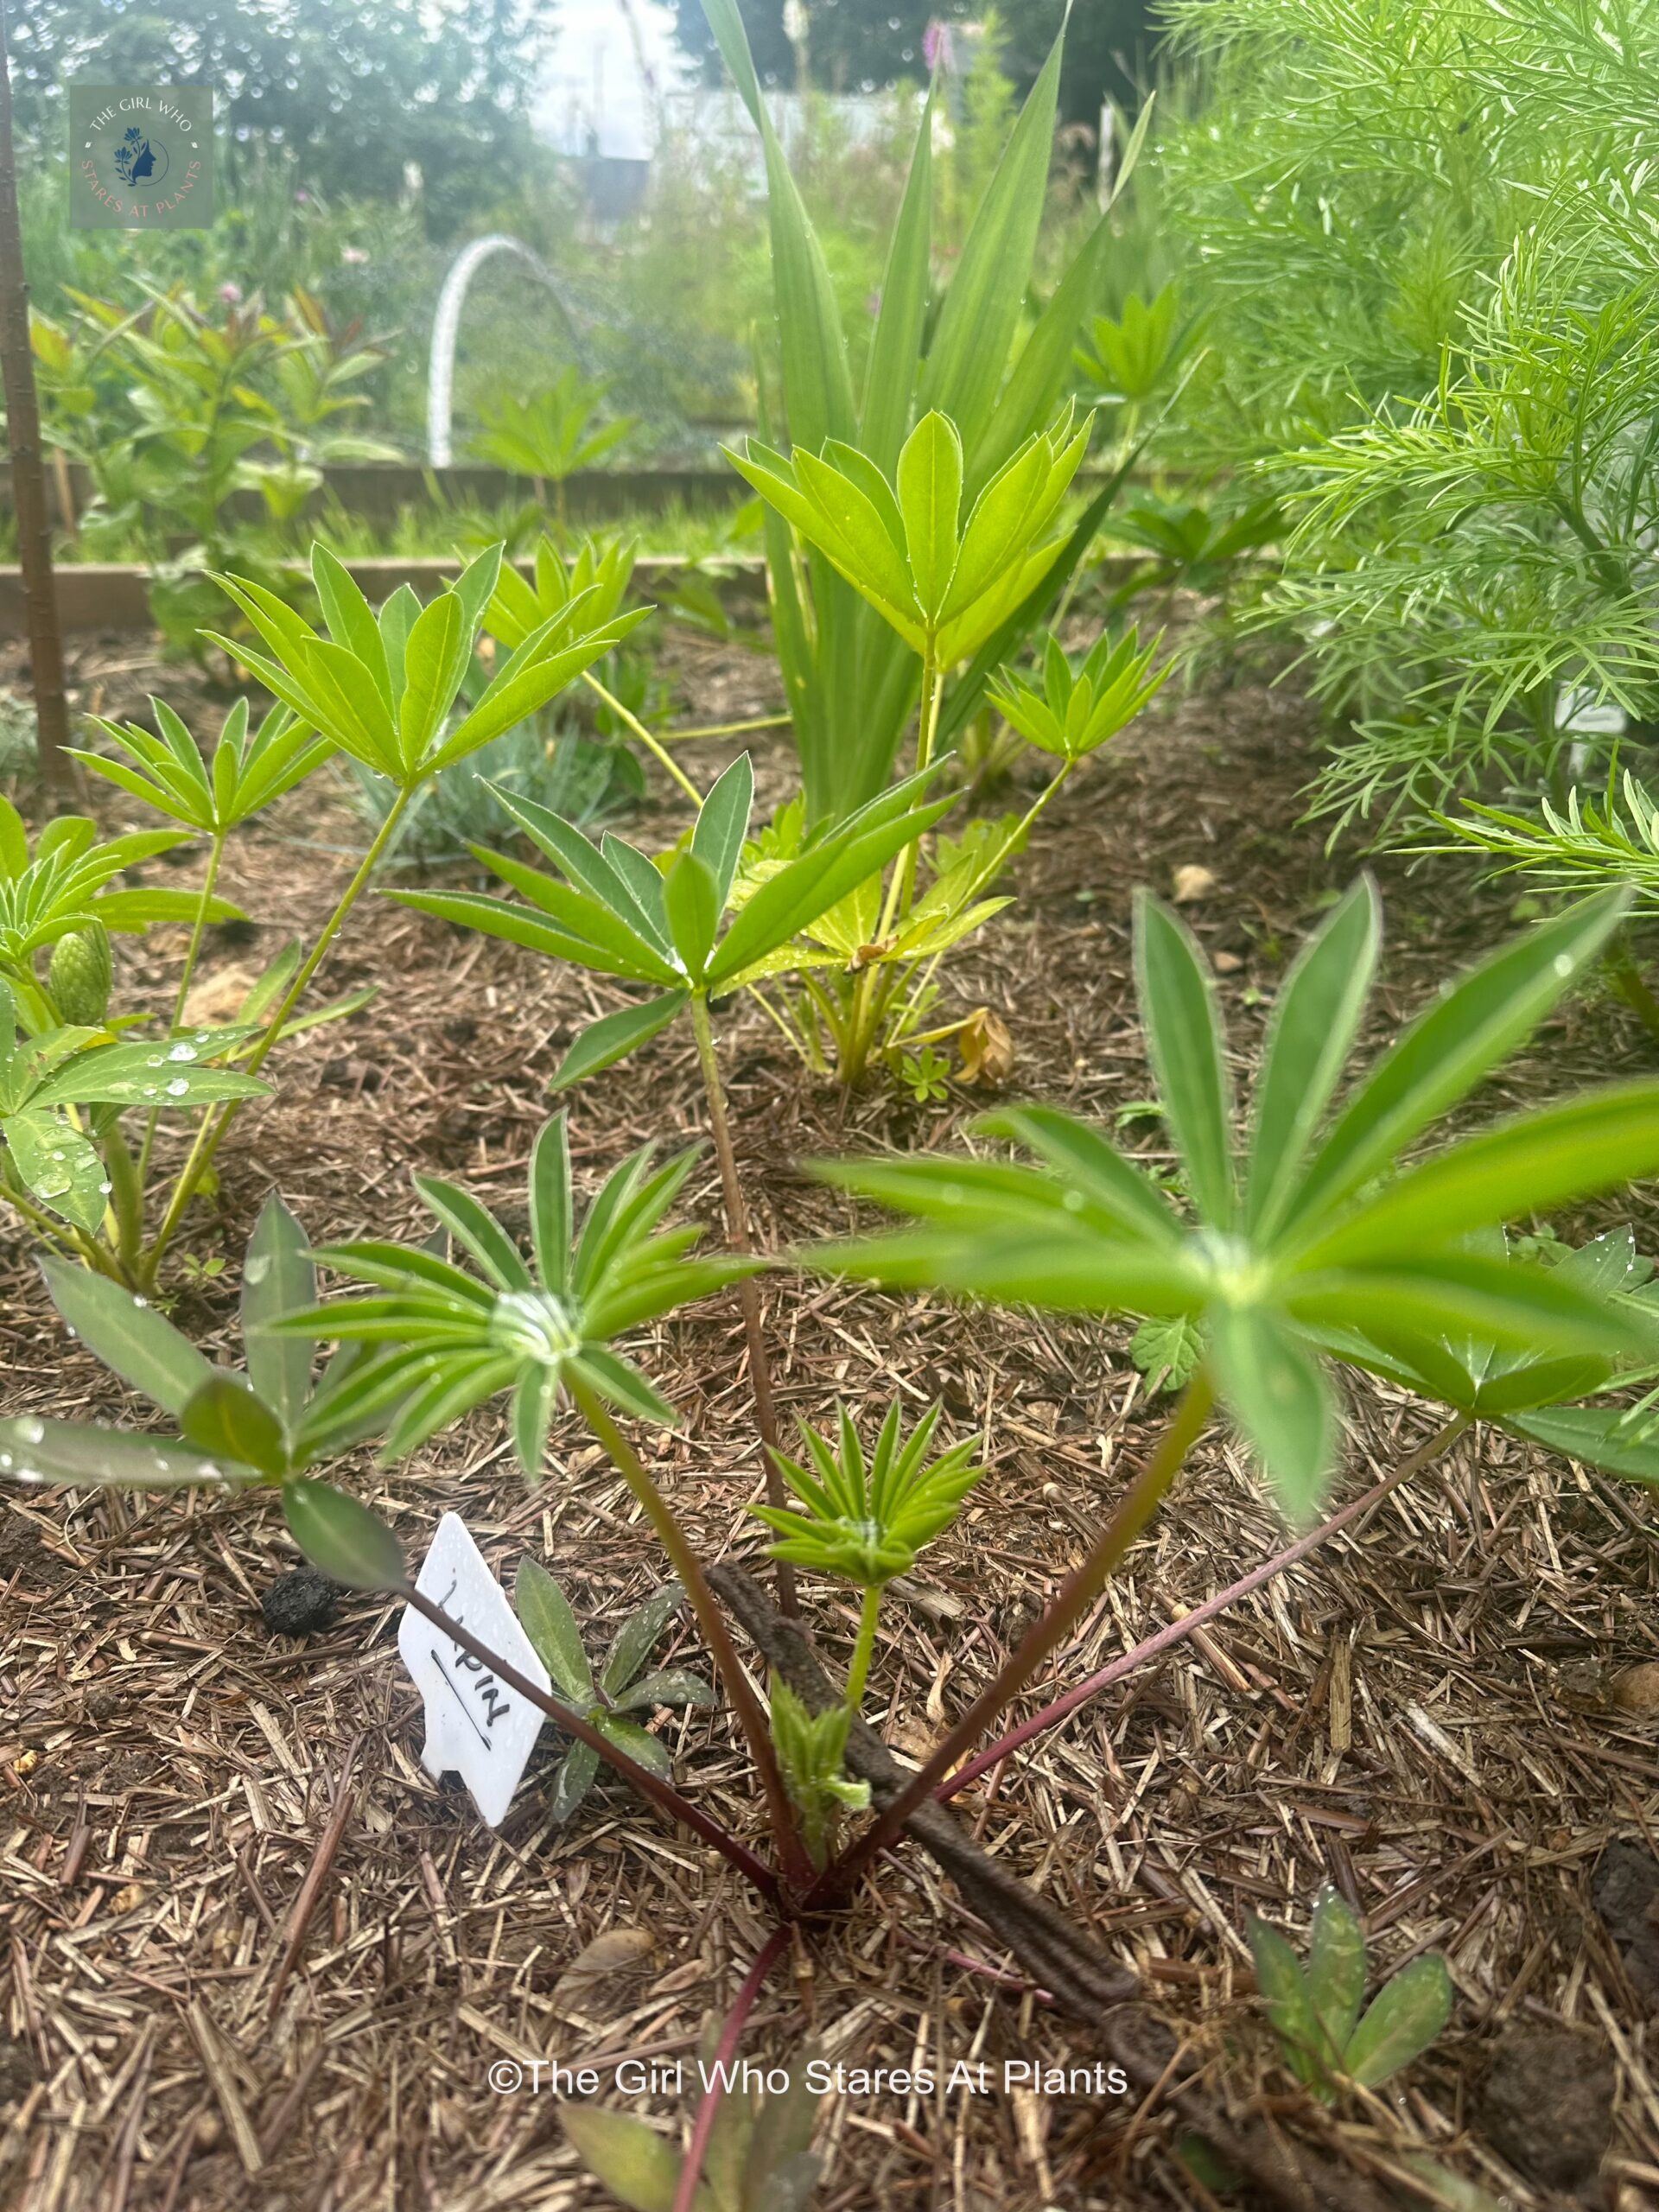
<point>858,45</point>
<point>356,90</point>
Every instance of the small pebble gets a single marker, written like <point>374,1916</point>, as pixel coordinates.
<point>299,1603</point>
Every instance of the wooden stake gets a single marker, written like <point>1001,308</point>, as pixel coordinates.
<point>28,473</point>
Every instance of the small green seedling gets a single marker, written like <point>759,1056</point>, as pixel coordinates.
<point>1532,1396</point>
<point>550,432</point>
<point>1077,710</point>
<point>757,2158</point>
<point>621,1688</point>
<point>675,923</point>
<point>811,1756</point>
<point>1315,2008</point>
<point>865,1520</point>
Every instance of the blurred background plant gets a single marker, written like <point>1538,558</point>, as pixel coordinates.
<point>1423,250</point>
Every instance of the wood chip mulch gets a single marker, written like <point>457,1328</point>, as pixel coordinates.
<point>250,1954</point>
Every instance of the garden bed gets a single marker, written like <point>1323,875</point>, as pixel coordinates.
<point>258,1956</point>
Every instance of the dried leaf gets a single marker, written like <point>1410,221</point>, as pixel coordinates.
<point>986,1048</point>
<point>599,1981</point>
<point>1192,882</point>
<point>217,997</point>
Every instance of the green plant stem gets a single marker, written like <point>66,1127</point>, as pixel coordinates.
<point>730,729</point>
<point>650,1785</point>
<point>737,1229</point>
<point>193,953</point>
<point>1165,1639</point>
<point>44,1225</point>
<point>902,889</point>
<point>654,745</point>
<point>797,1867</point>
<point>859,1673</point>
<point>1632,987</point>
<point>702,2128</point>
<point>212,1131</point>
<point>1073,1600</point>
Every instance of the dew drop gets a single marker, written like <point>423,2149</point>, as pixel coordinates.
<point>32,1431</point>
<point>182,1052</point>
<point>1563,965</point>
<point>139,1301</point>
<point>257,1269</point>
<point>177,1088</point>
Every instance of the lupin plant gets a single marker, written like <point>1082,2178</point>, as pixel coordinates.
<point>541,1327</point>
<point>383,689</point>
<point>620,1688</point>
<point>1304,1218</point>
<point>872,999</point>
<point>864,1520</point>
<point>1328,2035</point>
<point>672,924</point>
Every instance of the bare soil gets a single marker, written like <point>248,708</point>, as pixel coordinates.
<point>215,1991</point>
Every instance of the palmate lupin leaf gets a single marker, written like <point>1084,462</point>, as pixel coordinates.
<point>272,1421</point>
<point>246,774</point>
<point>865,1520</point>
<point>1077,710</point>
<point>1534,1395</point>
<point>456,1336</point>
<point>1304,1218</point>
<point>68,882</point>
<point>946,582</point>
<point>673,927</point>
<point>1315,2009</point>
<point>621,1687</point>
<point>597,573</point>
<point>381,688</point>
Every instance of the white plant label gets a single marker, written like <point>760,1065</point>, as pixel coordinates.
<point>476,1726</point>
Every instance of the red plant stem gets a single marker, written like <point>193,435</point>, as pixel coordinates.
<point>1166,1639</point>
<point>703,2127</point>
<point>797,1866</point>
<point>661,1794</point>
<point>1067,1607</point>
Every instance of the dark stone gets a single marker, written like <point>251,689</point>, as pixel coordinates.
<point>1546,2102</point>
<point>299,1603</point>
<point>1625,1888</point>
<point>17,2073</point>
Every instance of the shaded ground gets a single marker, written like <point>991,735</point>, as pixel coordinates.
<point>1421,1713</point>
